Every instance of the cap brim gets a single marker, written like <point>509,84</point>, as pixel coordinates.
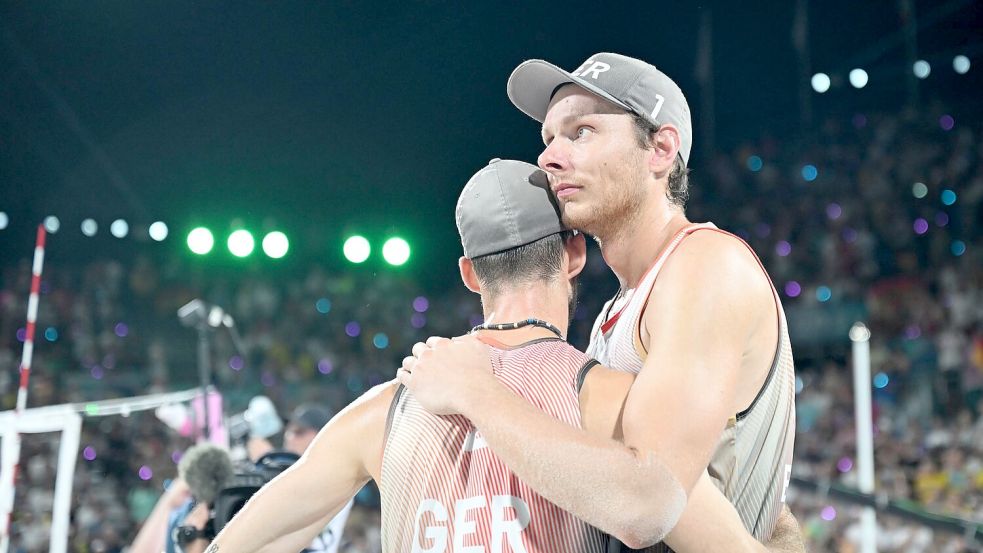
<point>533,83</point>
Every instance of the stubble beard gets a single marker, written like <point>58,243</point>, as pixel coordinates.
<point>609,217</point>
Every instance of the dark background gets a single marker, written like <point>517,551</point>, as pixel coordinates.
<point>324,118</point>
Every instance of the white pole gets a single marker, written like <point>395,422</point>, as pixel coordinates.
<point>67,454</point>
<point>8,460</point>
<point>860,336</point>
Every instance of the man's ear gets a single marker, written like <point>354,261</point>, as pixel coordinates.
<point>575,252</point>
<point>665,144</point>
<point>467,275</point>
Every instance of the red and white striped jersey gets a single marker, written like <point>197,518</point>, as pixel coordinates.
<point>444,490</point>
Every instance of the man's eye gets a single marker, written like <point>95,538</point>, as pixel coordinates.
<point>583,131</point>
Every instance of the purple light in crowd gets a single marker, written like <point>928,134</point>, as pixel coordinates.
<point>845,464</point>
<point>236,363</point>
<point>833,211</point>
<point>849,235</point>
<point>476,320</point>
<point>418,320</point>
<point>793,289</point>
<point>947,122</point>
<point>941,219</point>
<point>920,226</point>
<point>324,366</point>
<point>268,379</point>
<point>121,330</point>
<point>89,453</point>
<point>421,304</point>
<point>45,287</point>
<point>21,335</point>
<point>353,329</point>
<point>145,473</point>
<point>763,230</point>
<point>912,331</point>
<point>96,372</point>
<point>828,513</point>
<point>859,120</point>
<point>176,456</point>
<point>783,248</point>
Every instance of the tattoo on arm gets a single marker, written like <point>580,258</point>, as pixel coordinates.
<point>213,548</point>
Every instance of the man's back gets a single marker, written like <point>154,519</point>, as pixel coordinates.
<point>443,488</point>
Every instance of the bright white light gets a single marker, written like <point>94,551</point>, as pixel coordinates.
<point>858,78</point>
<point>275,244</point>
<point>921,69</point>
<point>241,243</point>
<point>158,231</point>
<point>90,227</point>
<point>52,224</point>
<point>4,220</point>
<point>119,228</point>
<point>960,64</point>
<point>820,82</point>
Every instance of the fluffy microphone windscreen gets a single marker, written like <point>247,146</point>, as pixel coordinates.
<point>206,468</point>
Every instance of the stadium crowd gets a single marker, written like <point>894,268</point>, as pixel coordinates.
<point>875,218</point>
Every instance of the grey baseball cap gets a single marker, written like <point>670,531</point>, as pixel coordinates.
<point>505,205</point>
<point>630,84</point>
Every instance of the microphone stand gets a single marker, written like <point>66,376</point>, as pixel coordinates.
<point>204,371</point>
<point>205,318</point>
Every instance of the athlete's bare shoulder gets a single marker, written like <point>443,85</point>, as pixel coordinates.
<point>360,427</point>
<point>380,393</point>
<point>369,405</point>
<point>715,256</point>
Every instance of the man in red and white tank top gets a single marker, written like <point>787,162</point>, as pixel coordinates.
<point>697,320</point>
<point>442,487</point>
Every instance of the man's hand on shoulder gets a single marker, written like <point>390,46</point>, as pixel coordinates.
<point>446,375</point>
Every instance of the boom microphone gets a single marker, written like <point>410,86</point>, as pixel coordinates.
<point>206,468</point>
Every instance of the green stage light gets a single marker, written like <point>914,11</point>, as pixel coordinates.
<point>357,249</point>
<point>241,243</point>
<point>201,241</point>
<point>396,251</point>
<point>275,244</point>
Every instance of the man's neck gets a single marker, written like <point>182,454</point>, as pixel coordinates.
<point>634,247</point>
<point>538,301</point>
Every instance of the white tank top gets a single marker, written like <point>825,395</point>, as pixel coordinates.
<point>753,459</point>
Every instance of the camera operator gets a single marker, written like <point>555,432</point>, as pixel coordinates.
<point>302,427</point>
<point>207,469</point>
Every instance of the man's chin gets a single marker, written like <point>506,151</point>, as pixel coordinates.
<point>575,219</point>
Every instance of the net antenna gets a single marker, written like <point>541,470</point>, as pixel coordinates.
<point>11,442</point>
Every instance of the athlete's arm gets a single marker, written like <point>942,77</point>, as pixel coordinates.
<point>699,325</point>
<point>298,503</point>
<point>709,522</point>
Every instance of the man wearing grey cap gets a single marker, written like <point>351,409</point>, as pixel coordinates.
<point>442,488</point>
<point>696,319</point>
